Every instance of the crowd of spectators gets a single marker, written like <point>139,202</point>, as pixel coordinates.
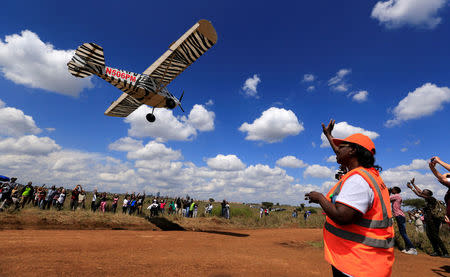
<point>15,196</point>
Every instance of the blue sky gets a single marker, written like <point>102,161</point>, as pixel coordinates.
<point>254,102</point>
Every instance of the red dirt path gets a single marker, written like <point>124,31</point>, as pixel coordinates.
<point>267,252</point>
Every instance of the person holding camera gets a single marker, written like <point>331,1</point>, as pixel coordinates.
<point>433,223</point>
<point>443,179</point>
<point>358,234</point>
<point>396,201</point>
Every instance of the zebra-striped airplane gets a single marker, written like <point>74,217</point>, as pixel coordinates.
<point>149,87</point>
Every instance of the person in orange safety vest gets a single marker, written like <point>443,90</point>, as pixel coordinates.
<point>358,233</point>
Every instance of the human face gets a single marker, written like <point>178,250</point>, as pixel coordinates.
<point>343,153</point>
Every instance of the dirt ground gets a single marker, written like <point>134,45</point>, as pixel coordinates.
<point>263,252</point>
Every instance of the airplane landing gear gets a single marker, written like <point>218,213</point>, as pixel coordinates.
<point>150,117</point>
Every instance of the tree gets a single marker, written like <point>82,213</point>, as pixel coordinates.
<point>267,205</point>
<point>211,200</point>
<point>278,204</point>
<point>417,203</point>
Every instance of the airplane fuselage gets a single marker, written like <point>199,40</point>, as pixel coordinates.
<point>142,87</point>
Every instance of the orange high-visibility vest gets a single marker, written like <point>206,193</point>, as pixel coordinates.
<point>366,247</point>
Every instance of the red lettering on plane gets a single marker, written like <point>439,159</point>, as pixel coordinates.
<point>120,74</point>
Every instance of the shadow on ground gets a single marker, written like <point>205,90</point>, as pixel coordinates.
<point>165,224</point>
<point>442,271</point>
<point>233,234</point>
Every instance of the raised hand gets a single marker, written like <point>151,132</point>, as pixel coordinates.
<point>327,130</point>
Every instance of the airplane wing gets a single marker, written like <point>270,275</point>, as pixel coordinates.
<point>183,52</point>
<point>123,106</point>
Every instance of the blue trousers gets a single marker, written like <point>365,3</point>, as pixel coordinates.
<point>402,229</point>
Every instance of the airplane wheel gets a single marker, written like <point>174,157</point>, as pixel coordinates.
<point>150,117</point>
<point>170,104</point>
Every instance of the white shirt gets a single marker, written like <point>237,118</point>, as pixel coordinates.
<point>356,193</point>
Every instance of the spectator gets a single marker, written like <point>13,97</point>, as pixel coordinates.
<point>294,213</point>
<point>103,201</point>
<point>94,201</point>
<point>125,204</point>
<point>61,199</point>
<point>114,203</point>
<point>27,193</point>
<point>82,200</point>
<point>179,205</point>
<point>443,179</point>
<point>358,233</point>
<point>261,212</point>
<point>227,210</point>
<point>172,208</point>
<point>74,197</point>
<point>418,221</point>
<point>306,215</point>
<point>41,196</point>
<point>48,199</point>
<point>195,210</point>
<point>433,223</point>
<point>396,201</point>
<point>162,207</point>
<point>222,212</point>
<point>154,207</point>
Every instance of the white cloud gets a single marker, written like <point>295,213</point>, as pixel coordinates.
<point>308,78</point>
<point>209,103</point>
<point>28,61</point>
<point>338,82</point>
<point>251,85</point>
<point>423,101</point>
<point>311,88</point>
<point>343,129</point>
<point>155,151</point>
<point>331,159</point>
<point>360,96</point>
<point>28,145</point>
<point>398,13</point>
<point>126,144</point>
<point>166,127</point>
<point>201,119</point>
<point>273,126</point>
<point>416,164</point>
<point>313,144</point>
<point>404,149</point>
<point>49,129</point>
<point>318,171</point>
<point>14,122</point>
<point>291,161</point>
<point>225,163</point>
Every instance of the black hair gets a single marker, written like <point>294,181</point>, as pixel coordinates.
<point>365,157</point>
<point>397,189</point>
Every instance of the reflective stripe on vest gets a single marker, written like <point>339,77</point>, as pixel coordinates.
<point>378,243</point>
<point>368,223</point>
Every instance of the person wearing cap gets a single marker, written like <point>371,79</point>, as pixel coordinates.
<point>358,232</point>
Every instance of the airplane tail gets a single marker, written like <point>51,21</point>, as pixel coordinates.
<point>88,59</point>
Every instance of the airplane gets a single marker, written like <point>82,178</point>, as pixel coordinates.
<point>149,87</point>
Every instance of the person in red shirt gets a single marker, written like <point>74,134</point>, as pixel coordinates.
<point>396,201</point>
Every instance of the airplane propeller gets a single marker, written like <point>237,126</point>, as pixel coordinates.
<point>181,97</point>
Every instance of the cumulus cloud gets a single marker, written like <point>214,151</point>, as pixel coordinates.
<point>416,164</point>
<point>331,159</point>
<point>338,82</point>
<point>209,103</point>
<point>126,144</point>
<point>273,126</point>
<point>225,163</point>
<point>359,96</point>
<point>423,101</point>
<point>251,85</point>
<point>167,126</point>
<point>343,130</point>
<point>28,145</point>
<point>291,161</point>
<point>418,13</point>
<point>155,151</point>
<point>308,78</point>
<point>14,122</point>
<point>311,88</point>
<point>201,119</point>
<point>318,171</point>
<point>26,60</point>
